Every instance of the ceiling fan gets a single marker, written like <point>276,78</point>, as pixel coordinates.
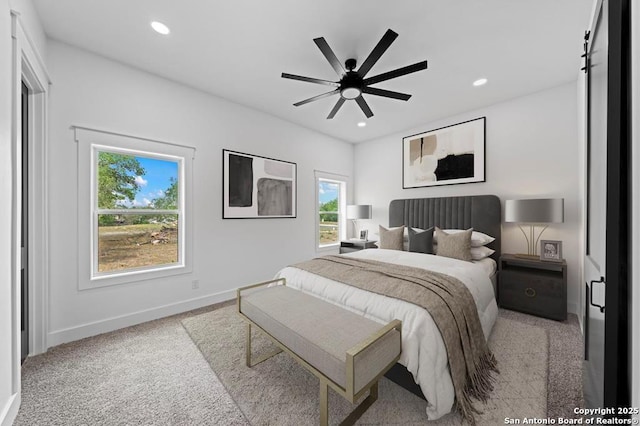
<point>353,84</point>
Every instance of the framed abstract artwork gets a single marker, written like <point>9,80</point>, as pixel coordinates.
<point>445,156</point>
<point>256,187</point>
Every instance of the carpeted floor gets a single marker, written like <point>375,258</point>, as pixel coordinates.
<point>566,352</point>
<point>149,374</point>
<point>279,391</point>
<point>153,374</point>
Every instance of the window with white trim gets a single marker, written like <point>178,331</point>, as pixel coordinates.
<point>133,208</point>
<point>331,195</point>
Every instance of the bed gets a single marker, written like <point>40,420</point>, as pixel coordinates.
<point>423,367</point>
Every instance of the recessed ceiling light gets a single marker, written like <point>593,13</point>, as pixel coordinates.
<point>362,124</point>
<point>480,82</point>
<point>160,28</point>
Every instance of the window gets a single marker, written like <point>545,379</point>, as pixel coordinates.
<point>137,211</point>
<point>331,203</point>
<point>133,208</point>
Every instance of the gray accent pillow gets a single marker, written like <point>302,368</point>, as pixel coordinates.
<point>391,238</point>
<point>421,241</point>
<point>456,246</point>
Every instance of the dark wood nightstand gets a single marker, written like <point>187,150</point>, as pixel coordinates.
<point>356,245</point>
<point>533,286</point>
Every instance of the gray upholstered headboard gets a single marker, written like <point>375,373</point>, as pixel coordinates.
<point>480,212</point>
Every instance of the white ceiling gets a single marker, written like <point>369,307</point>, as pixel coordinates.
<point>237,49</point>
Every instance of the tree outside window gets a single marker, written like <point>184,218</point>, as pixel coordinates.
<point>137,211</point>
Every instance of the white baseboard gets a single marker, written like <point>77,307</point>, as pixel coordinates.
<point>71,334</point>
<point>572,308</point>
<point>10,410</point>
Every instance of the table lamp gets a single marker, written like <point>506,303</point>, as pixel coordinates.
<point>534,213</point>
<point>358,211</point>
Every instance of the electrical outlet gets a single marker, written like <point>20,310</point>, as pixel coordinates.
<point>195,284</point>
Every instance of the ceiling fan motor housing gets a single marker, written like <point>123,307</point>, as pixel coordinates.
<point>351,85</point>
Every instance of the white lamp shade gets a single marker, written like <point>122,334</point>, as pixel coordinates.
<point>542,210</point>
<point>359,211</point>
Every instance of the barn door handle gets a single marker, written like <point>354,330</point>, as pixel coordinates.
<point>601,280</point>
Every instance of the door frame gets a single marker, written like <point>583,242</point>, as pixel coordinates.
<point>635,183</point>
<point>28,67</point>
<point>616,350</point>
<point>24,230</point>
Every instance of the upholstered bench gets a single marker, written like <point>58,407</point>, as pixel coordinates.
<point>346,351</point>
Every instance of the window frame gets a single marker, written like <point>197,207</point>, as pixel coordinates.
<point>343,181</point>
<point>90,142</point>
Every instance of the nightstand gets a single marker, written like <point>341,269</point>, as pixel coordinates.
<point>356,245</point>
<point>533,286</point>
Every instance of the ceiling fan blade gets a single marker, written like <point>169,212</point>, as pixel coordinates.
<point>396,73</point>
<point>377,52</point>
<point>315,98</point>
<point>328,53</point>
<point>386,93</point>
<point>364,107</point>
<point>310,79</point>
<point>336,108</point>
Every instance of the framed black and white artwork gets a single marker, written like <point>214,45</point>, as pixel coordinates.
<point>256,187</point>
<point>445,156</point>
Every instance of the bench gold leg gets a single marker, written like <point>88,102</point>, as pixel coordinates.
<point>355,414</point>
<point>247,347</point>
<point>364,405</point>
<point>324,403</point>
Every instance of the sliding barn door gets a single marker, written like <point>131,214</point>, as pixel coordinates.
<point>606,382</point>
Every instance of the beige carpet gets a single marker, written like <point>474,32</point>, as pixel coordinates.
<point>148,374</point>
<point>281,392</point>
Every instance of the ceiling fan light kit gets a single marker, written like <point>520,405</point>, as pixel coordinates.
<point>353,84</point>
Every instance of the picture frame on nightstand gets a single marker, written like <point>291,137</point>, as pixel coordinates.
<point>551,250</point>
<point>364,234</point>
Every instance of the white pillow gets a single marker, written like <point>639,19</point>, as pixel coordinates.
<point>479,253</point>
<point>478,239</point>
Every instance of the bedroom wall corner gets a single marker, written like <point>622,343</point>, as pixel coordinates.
<point>532,149</point>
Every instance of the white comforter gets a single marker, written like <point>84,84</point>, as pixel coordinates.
<point>423,350</point>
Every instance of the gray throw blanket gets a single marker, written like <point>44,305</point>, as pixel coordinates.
<point>449,303</point>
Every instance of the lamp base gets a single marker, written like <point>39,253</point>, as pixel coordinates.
<point>528,256</point>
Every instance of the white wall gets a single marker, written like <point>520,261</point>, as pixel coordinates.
<point>531,152</point>
<point>30,21</point>
<point>93,91</point>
